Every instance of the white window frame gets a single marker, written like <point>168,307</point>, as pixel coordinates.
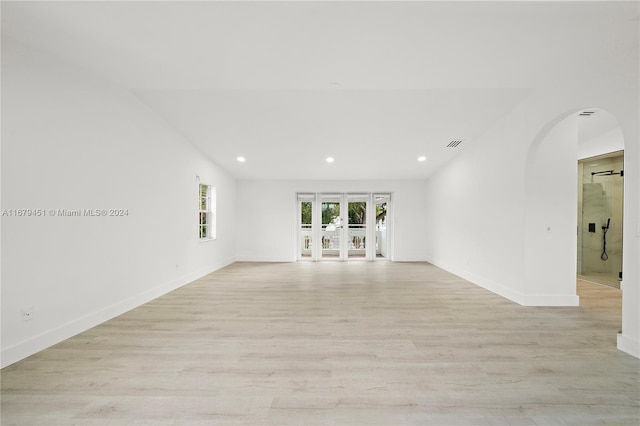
<point>208,212</point>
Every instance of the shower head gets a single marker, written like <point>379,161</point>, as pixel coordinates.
<point>607,173</point>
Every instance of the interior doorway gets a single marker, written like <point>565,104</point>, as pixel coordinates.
<point>343,226</point>
<point>600,198</point>
<point>600,205</point>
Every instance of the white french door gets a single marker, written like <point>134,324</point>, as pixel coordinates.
<point>333,226</point>
<point>332,222</point>
<point>358,207</point>
<point>306,231</point>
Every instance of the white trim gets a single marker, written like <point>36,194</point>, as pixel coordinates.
<point>492,286</point>
<point>210,211</point>
<point>44,340</point>
<point>258,259</point>
<point>317,199</point>
<point>628,345</point>
<point>265,259</point>
<point>515,296</point>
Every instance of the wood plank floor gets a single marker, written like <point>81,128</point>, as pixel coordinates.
<point>335,343</point>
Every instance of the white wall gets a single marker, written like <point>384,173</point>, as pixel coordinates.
<point>551,197</point>
<point>599,134</point>
<point>603,143</point>
<point>267,216</point>
<point>475,211</point>
<point>481,226</point>
<point>73,141</point>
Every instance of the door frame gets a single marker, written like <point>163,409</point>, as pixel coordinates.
<point>316,225</point>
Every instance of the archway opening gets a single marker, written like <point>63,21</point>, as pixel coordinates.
<point>552,226</point>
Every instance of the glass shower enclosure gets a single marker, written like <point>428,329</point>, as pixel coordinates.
<point>600,202</point>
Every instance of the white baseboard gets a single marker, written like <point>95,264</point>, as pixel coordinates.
<point>515,296</point>
<point>492,286</point>
<point>265,259</point>
<point>44,340</point>
<point>629,345</point>
<point>408,259</point>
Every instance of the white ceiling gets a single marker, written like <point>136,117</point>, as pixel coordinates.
<point>286,84</point>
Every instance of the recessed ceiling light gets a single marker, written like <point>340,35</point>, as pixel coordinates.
<point>241,159</point>
<point>330,160</point>
<point>422,158</point>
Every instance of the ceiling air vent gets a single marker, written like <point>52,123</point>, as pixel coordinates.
<point>454,144</point>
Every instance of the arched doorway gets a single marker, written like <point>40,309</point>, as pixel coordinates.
<point>551,222</point>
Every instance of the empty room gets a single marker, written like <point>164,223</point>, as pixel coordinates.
<point>320,212</point>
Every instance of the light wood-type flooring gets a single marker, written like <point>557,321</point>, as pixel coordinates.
<point>365,343</point>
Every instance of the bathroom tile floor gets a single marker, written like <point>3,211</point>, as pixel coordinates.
<point>610,279</point>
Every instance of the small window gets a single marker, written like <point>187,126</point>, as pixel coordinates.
<point>206,213</point>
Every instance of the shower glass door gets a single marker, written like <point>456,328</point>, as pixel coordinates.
<point>600,203</point>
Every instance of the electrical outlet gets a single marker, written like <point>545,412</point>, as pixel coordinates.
<point>27,313</point>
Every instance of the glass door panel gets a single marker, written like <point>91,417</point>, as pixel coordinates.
<point>357,228</point>
<point>600,217</point>
<point>331,228</point>
<point>305,228</point>
<point>381,209</point>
